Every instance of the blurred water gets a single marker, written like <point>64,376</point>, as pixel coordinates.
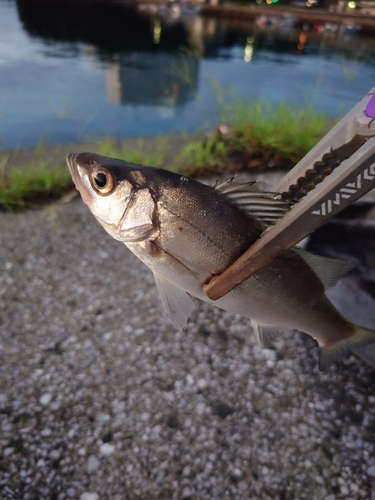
<point>70,72</point>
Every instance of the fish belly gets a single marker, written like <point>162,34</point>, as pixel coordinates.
<point>270,301</point>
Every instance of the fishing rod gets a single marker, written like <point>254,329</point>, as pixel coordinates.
<point>339,170</point>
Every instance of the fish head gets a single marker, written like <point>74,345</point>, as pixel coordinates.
<point>117,194</point>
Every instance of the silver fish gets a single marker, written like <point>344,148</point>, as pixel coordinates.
<point>187,232</point>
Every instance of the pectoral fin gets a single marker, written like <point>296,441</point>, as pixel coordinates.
<point>177,302</point>
<point>266,334</point>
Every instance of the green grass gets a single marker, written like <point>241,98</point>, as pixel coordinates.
<point>288,130</point>
<point>31,186</point>
<point>257,135</point>
<point>139,153</point>
<point>250,135</point>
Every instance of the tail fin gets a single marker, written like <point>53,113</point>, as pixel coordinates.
<point>362,344</point>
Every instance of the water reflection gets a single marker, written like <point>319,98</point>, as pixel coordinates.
<point>147,62</point>
<point>249,49</point>
<point>152,79</point>
<point>119,28</point>
<point>122,73</point>
<point>111,28</point>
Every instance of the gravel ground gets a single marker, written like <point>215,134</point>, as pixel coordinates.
<point>100,398</point>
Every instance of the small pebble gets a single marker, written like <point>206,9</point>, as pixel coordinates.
<point>107,449</point>
<point>202,383</point>
<point>45,399</point>
<point>89,496</point>
<point>186,492</point>
<point>93,463</point>
<point>242,486</point>
<point>344,489</point>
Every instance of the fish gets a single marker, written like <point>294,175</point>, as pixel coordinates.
<point>187,232</point>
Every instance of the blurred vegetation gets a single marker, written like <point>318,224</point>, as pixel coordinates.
<point>256,135</point>
<point>31,186</point>
<point>140,153</point>
<point>249,135</point>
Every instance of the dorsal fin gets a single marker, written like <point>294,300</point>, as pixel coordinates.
<point>267,207</point>
<point>328,270</point>
<point>228,186</point>
<point>220,186</point>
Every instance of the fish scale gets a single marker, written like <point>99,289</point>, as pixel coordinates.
<point>228,242</point>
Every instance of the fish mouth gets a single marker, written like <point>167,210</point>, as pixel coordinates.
<point>71,161</point>
<point>73,168</point>
<point>80,174</point>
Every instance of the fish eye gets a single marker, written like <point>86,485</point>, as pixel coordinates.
<point>103,181</point>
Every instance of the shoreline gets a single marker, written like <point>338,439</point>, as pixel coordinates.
<point>267,177</point>
<point>307,15</point>
<point>55,154</point>
<point>252,11</point>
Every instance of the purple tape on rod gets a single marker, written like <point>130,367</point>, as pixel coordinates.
<point>370,108</point>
